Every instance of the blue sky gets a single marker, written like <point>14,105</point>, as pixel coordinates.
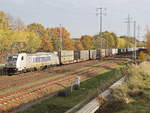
<point>79,16</point>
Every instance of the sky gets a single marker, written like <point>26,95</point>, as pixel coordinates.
<point>79,16</point>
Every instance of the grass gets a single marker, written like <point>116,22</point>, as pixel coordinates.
<point>134,95</point>
<point>141,104</point>
<point>89,89</point>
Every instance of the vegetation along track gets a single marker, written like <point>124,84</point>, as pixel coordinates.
<point>24,95</point>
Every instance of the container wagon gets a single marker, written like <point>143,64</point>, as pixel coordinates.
<point>66,56</point>
<point>106,52</point>
<point>93,54</point>
<point>110,52</point>
<point>103,53</point>
<point>84,55</point>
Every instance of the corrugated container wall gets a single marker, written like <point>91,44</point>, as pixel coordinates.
<point>66,56</point>
<point>84,55</point>
<point>103,52</point>
<point>93,54</point>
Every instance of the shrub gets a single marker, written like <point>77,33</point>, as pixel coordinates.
<point>142,56</point>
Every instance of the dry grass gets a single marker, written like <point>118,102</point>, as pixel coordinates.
<point>136,80</point>
<point>134,95</point>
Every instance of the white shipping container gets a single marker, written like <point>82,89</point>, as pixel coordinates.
<point>103,54</point>
<point>93,54</point>
<point>84,55</point>
<point>66,56</point>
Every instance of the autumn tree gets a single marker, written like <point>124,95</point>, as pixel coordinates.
<point>56,34</point>
<point>87,42</point>
<point>4,21</point>
<point>78,45</point>
<point>30,40</point>
<point>148,40</point>
<point>38,29</point>
<point>18,24</point>
<point>106,40</point>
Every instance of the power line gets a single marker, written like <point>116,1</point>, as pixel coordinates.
<point>128,21</point>
<point>134,40</point>
<point>60,38</point>
<point>100,12</point>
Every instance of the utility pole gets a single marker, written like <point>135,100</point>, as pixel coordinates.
<point>134,40</point>
<point>129,21</point>
<point>138,31</point>
<point>99,11</point>
<point>60,37</point>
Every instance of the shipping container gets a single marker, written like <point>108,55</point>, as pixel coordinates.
<point>113,51</point>
<point>93,54</point>
<point>98,54</point>
<point>66,56</point>
<point>102,53</point>
<point>109,52</point>
<point>116,51</point>
<point>106,52</point>
<point>84,55</point>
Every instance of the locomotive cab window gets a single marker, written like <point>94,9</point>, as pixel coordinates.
<point>22,58</point>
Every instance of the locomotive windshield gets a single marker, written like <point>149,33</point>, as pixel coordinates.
<point>12,58</point>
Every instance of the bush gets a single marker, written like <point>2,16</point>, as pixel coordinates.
<point>142,56</point>
<point>65,92</point>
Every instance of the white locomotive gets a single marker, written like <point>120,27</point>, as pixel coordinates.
<point>27,62</point>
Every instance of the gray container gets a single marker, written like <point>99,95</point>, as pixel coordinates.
<point>98,54</point>
<point>76,56</point>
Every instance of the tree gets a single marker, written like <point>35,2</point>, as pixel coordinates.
<point>148,40</point>
<point>18,24</point>
<point>107,39</point>
<point>30,40</point>
<point>56,33</point>
<point>5,41</point>
<point>87,42</point>
<point>41,32</point>
<point>78,45</point>
<point>4,21</point>
<point>53,33</point>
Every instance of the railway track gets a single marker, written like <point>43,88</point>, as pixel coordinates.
<point>16,98</point>
<point>21,79</point>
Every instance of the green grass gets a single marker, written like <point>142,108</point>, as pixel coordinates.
<point>88,89</point>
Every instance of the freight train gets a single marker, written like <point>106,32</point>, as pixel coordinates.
<point>25,62</point>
